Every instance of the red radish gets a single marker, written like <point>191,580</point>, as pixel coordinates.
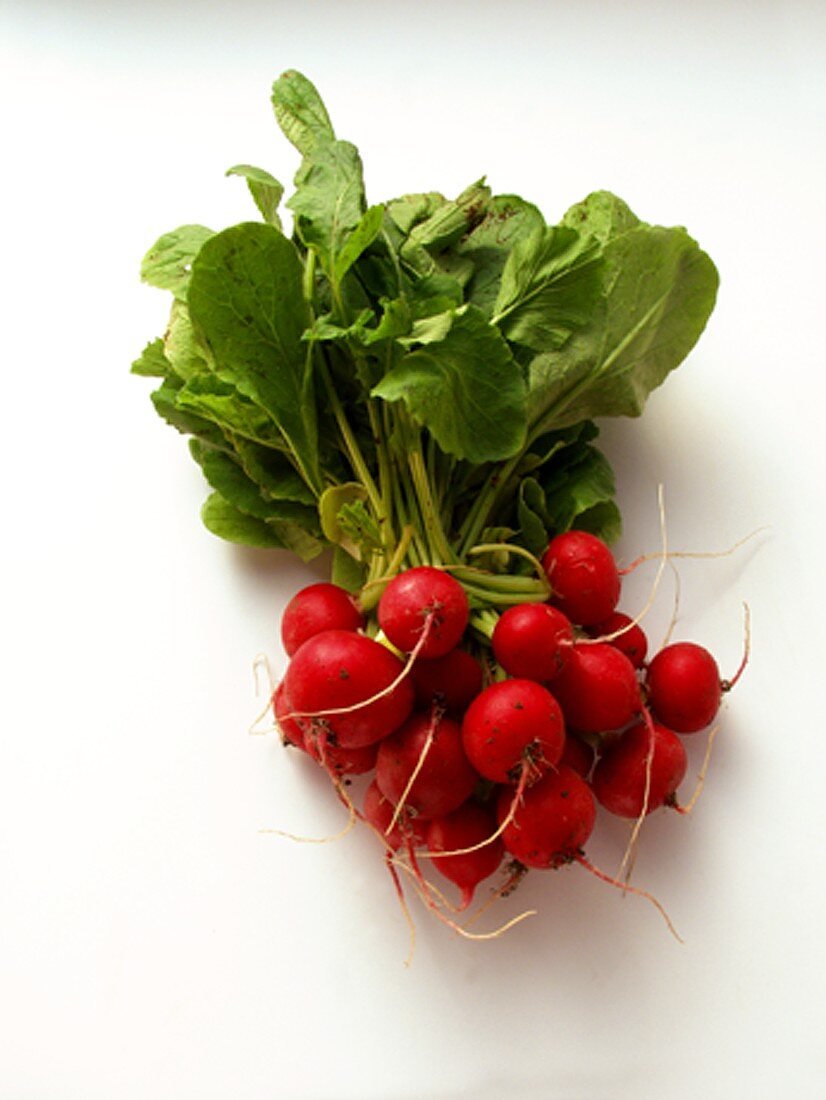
<point>532,640</point>
<point>315,608</point>
<point>620,775</point>
<point>598,689</point>
<point>291,730</point>
<point>378,812</point>
<point>312,735</point>
<point>684,688</point>
<point>429,746</point>
<point>464,828</point>
<point>418,597</point>
<point>578,754</point>
<point>356,760</point>
<point>338,670</point>
<point>512,725</point>
<point>632,641</point>
<point>451,681</point>
<point>583,577</point>
<point>552,823</point>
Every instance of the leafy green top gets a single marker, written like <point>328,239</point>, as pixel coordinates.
<point>407,380</point>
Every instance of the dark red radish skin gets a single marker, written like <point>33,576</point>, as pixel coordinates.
<point>578,754</point>
<point>532,641</point>
<point>464,828</point>
<point>452,681</point>
<point>683,687</point>
<point>582,573</point>
<point>291,731</point>
<point>343,761</point>
<point>424,597</point>
<point>618,780</point>
<point>598,689</point>
<point>632,641</point>
<point>513,724</point>
<point>341,669</point>
<point>445,779</point>
<point>316,608</point>
<point>553,821</point>
<point>378,812</point>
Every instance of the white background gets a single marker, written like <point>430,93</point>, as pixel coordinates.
<point>153,944</point>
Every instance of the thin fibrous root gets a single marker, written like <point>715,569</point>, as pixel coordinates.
<point>663,555</point>
<point>405,908</point>
<point>727,685</point>
<point>262,662</point>
<point>630,849</point>
<point>352,818</point>
<point>458,928</point>
<point>694,553</point>
<point>626,888</point>
<point>675,611</point>
<point>435,718</point>
<point>405,672</point>
<point>503,891</point>
<point>519,791</point>
<point>701,778</point>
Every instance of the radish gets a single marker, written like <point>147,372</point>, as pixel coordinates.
<point>619,778</point>
<point>552,823</point>
<point>291,730</point>
<point>465,827</point>
<point>598,689</point>
<point>419,599</point>
<point>684,687</point>
<point>314,737</point>
<point>452,681</point>
<point>351,683</point>
<point>379,812</point>
<point>632,641</point>
<point>583,576</point>
<point>578,754</point>
<point>315,608</point>
<point>513,727</point>
<point>423,766</point>
<point>532,640</point>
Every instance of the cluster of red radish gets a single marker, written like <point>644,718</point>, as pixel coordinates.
<point>494,762</point>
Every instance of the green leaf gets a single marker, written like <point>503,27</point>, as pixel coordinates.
<point>532,515</point>
<point>603,520</point>
<point>578,486</point>
<point>168,262</point>
<point>330,504</point>
<point>361,238</point>
<point>167,406</point>
<point>346,571</point>
<point>210,397</point>
<point>227,522</point>
<point>448,222</point>
<point>152,363</point>
<point>602,216</point>
<point>265,189</point>
<point>226,475</point>
<point>466,389</point>
<point>507,220</point>
<point>184,351</point>
<point>246,299</point>
<point>329,199</point>
<point>272,472</point>
<point>550,285</point>
<point>300,112</point>
<point>658,291</point>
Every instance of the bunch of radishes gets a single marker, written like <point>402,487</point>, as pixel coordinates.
<point>492,752</point>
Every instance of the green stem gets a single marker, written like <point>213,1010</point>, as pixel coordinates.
<point>357,460</point>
